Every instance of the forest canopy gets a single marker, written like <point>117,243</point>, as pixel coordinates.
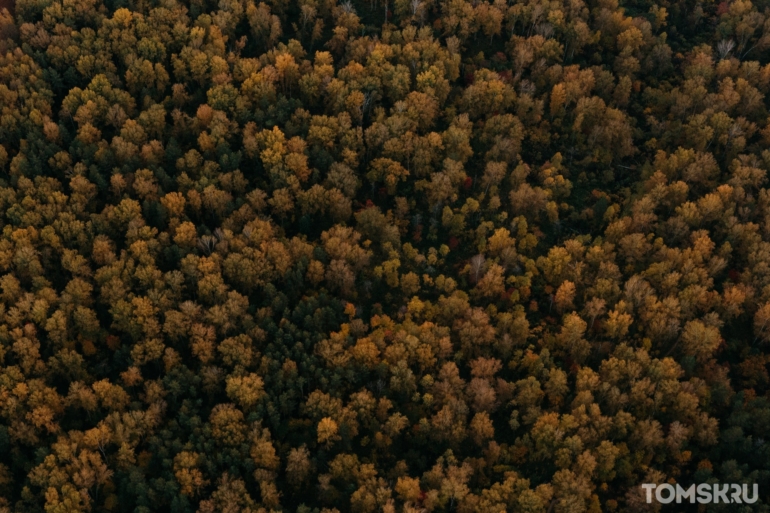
<point>330,256</point>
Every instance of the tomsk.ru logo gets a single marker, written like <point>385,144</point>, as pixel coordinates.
<point>703,493</point>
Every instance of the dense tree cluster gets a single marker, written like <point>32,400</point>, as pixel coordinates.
<point>382,255</point>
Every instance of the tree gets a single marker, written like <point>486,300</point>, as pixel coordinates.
<point>458,256</point>
<point>328,432</point>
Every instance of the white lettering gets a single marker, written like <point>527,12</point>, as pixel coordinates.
<point>659,493</point>
<point>736,495</point>
<point>681,493</point>
<point>649,487</point>
<point>704,493</point>
<point>721,492</point>
<point>746,494</point>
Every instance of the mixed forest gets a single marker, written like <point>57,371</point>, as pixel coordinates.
<point>330,256</point>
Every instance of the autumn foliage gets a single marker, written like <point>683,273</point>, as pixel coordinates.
<point>382,255</point>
